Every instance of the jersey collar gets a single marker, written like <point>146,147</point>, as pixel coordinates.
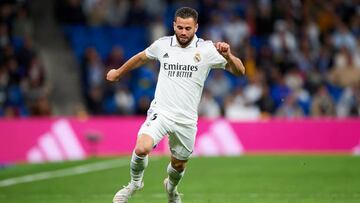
<point>193,43</point>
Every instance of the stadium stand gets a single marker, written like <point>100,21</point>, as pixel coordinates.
<point>302,57</point>
<point>22,75</point>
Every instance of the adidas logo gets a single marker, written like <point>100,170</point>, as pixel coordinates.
<point>166,55</point>
<point>356,149</point>
<point>220,139</point>
<point>58,144</point>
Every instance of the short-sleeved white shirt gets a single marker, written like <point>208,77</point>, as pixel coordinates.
<point>183,72</point>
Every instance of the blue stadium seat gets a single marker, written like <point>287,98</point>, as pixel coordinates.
<point>335,92</point>
<point>102,38</point>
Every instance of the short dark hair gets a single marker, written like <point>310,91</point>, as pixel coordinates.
<point>186,12</point>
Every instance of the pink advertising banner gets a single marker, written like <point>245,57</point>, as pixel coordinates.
<point>57,139</point>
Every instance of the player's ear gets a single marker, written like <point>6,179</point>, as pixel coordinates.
<point>174,25</point>
<point>196,27</point>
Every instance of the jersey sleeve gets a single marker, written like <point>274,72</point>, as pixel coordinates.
<point>153,50</point>
<point>216,60</point>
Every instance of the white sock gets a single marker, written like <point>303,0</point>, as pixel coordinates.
<point>174,178</point>
<point>137,167</point>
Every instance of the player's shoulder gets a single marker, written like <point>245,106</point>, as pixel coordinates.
<point>204,43</point>
<point>207,46</point>
<point>166,40</point>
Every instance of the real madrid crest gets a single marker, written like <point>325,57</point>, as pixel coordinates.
<point>197,57</point>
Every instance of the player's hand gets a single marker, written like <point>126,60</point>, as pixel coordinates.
<point>223,48</point>
<point>112,75</point>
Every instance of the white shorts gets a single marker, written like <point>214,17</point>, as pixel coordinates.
<point>181,136</point>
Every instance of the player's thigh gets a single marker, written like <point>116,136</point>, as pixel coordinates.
<point>154,127</point>
<point>182,141</point>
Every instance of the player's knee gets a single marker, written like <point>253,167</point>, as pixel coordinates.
<point>144,145</point>
<point>179,166</point>
<point>142,150</point>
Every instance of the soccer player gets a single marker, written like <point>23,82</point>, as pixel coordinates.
<point>185,62</point>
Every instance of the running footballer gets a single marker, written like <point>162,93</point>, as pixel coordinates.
<point>185,62</point>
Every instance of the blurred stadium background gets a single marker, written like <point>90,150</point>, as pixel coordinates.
<point>54,55</point>
<point>301,94</point>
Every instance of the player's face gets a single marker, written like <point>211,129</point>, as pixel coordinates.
<point>185,29</point>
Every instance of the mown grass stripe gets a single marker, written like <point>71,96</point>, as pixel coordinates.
<point>76,170</point>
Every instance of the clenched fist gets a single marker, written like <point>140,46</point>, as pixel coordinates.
<point>223,48</point>
<point>112,75</point>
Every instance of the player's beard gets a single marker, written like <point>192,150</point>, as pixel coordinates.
<point>184,43</point>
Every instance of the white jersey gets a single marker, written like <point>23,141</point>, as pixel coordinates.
<point>183,72</point>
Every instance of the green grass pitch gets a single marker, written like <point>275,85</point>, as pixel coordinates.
<point>244,179</point>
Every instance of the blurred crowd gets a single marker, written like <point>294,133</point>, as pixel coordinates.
<point>302,57</point>
<point>22,75</point>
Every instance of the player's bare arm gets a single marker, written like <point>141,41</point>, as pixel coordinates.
<point>134,62</point>
<point>234,64</point>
